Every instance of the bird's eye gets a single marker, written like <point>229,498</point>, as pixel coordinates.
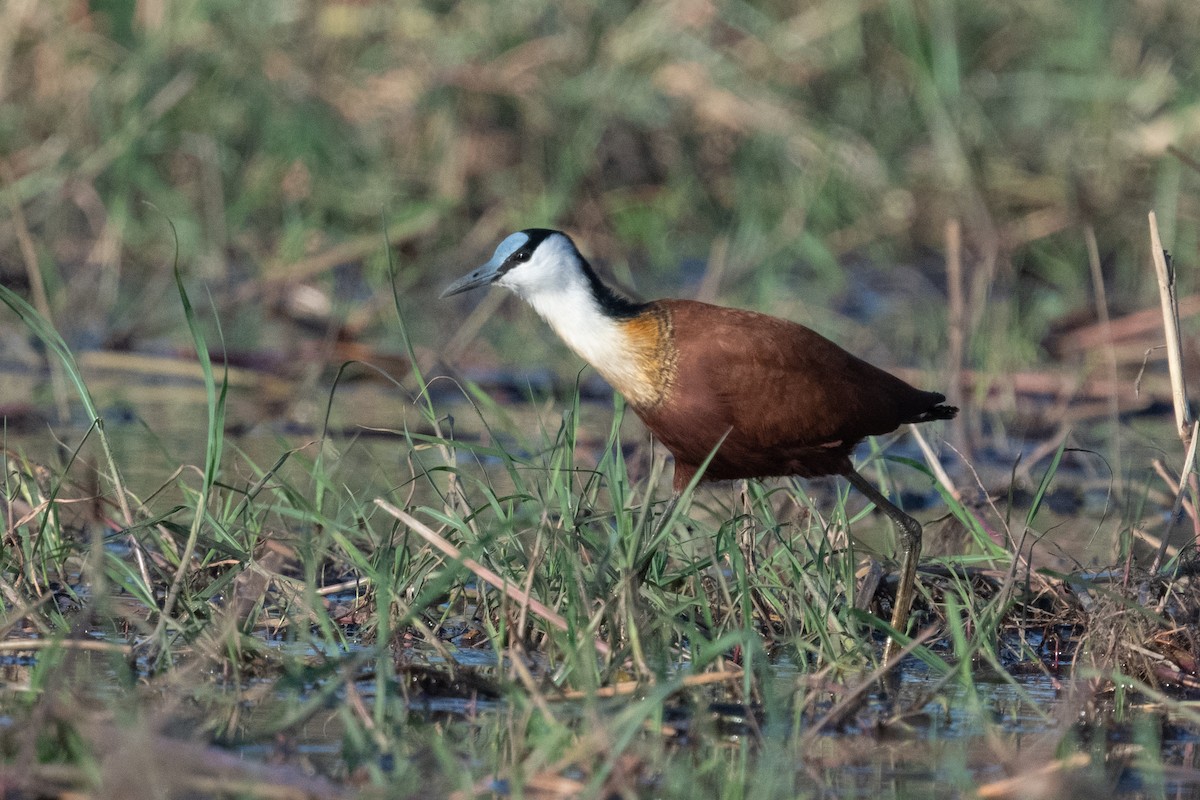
<point>521,256</point>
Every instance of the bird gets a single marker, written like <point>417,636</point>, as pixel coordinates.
<point>731,393</point>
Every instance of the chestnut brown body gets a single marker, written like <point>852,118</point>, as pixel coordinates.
<point>777,397</point>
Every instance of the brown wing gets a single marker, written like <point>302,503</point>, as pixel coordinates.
<point>787,400</point>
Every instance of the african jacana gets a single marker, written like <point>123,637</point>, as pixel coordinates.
<point>771,397</point>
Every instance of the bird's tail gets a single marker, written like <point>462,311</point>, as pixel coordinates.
<point>940,411</point>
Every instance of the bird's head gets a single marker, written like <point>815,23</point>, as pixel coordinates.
<point>529,262</point>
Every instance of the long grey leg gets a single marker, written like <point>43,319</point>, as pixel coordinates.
<point>910,553</point>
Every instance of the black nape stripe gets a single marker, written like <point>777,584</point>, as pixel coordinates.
<point>612,303</point>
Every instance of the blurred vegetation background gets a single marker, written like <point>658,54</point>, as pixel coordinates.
<point>800,158</point>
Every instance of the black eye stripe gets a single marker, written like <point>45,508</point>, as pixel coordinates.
<point>519,257</point>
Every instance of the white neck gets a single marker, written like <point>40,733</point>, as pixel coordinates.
<point>572,311</point>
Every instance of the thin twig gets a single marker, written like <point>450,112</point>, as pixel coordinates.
<point>624,688</point>
<point>483,573</point>
<point>94,645</point>
<point>1052,773</point>
<point>1101,299</point>
<point>934,463</point>
<point>956,330</point>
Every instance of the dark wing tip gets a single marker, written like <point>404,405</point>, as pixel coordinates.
<point>940,411</point>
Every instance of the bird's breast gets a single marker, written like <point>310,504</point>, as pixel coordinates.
<point>636,355</point>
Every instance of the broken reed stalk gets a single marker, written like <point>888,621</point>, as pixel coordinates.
<point>1170,312</point>
<point>1179,398</point>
